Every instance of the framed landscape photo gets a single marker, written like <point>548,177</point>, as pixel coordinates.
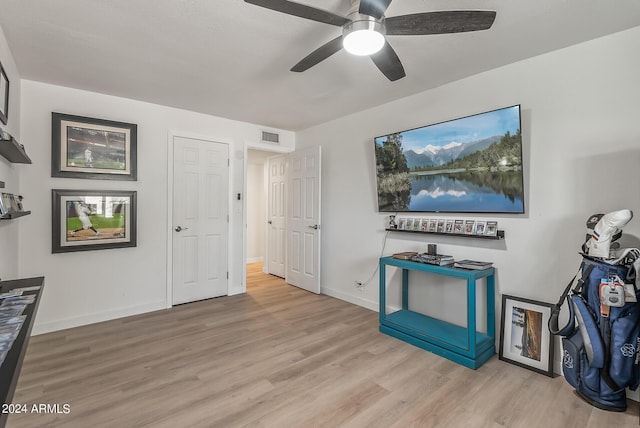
<point>84,147</point>
<point>85,220</point>
<point>470,164</point>
<point>4,95</point>
<point>524,337</point>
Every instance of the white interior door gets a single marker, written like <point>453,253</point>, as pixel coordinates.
<point>276,217</point>
<point>303,219</point>
<point>200,219</point>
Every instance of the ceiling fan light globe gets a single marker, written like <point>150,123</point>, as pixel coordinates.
<point>363,42</point>
<point>363,36</point>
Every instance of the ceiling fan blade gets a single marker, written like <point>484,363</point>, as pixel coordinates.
<point>453,21</point>
<point>301,10</point>
<point>319,55</point>
<point>388,62</point>
<point>375,8</point>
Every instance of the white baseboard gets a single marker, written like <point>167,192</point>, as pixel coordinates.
<point>47,327</point>
<point>365,303</point>
<point>255,259</point>
<point>235,290</point>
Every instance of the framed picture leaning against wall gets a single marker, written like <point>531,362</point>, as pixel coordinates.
<point>524,337</point>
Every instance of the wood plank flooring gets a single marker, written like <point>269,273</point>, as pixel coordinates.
<point>278,356</point>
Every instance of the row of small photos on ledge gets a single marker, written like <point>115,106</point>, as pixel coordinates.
<point>463,227</point>
<point>10,203</point>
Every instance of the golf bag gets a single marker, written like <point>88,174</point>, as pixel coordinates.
<point>600,341</point>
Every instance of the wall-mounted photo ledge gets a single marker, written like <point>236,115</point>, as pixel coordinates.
<point>499,235</point>
<point>14,215</point>
<point>13,151</point>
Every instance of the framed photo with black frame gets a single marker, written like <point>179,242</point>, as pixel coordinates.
<point>85,220</point>
<point>524,337</point>
<point>4,95</point>
<point>84,147</point>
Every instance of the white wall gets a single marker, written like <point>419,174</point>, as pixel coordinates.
<point>581,152</point>
<point>85,287</point>
<point>10,173</point>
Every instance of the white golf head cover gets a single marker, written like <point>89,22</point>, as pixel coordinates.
<point>600,243</point>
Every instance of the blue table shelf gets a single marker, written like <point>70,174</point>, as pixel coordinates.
<point>464,345</point>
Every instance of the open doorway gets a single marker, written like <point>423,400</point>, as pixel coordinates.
<point>258,239</point>
<point>283,214</point>
<point>256,206</point>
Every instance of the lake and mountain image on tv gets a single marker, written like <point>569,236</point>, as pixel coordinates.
<point>470,165</point>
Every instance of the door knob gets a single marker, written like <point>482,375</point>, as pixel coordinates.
<point>180,228</point>
<point>270,222</point>
<point>315,226</point>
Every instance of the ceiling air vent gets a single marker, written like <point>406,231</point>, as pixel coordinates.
<point>270,137</point>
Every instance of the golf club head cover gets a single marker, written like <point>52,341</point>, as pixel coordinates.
<point>609,225</point>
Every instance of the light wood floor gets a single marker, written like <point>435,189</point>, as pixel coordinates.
<point>278,357</point>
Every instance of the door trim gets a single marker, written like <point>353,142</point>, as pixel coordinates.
<point>170,146</point>
<point>261,147</point>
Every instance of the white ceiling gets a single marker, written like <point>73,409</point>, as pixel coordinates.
<point>231,59</point>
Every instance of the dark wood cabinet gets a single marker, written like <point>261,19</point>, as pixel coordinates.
<point>10,368</point>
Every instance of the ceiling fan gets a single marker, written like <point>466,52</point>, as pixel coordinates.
<point>365,27</point>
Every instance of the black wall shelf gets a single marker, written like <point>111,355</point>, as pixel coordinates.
<point>15,214</point>
<point>499,235</point>
<point>13,151</point>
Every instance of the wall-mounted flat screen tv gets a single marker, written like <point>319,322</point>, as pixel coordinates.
<point>467,165</point>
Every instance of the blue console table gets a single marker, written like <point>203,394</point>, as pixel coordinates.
<point>465,346</point>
